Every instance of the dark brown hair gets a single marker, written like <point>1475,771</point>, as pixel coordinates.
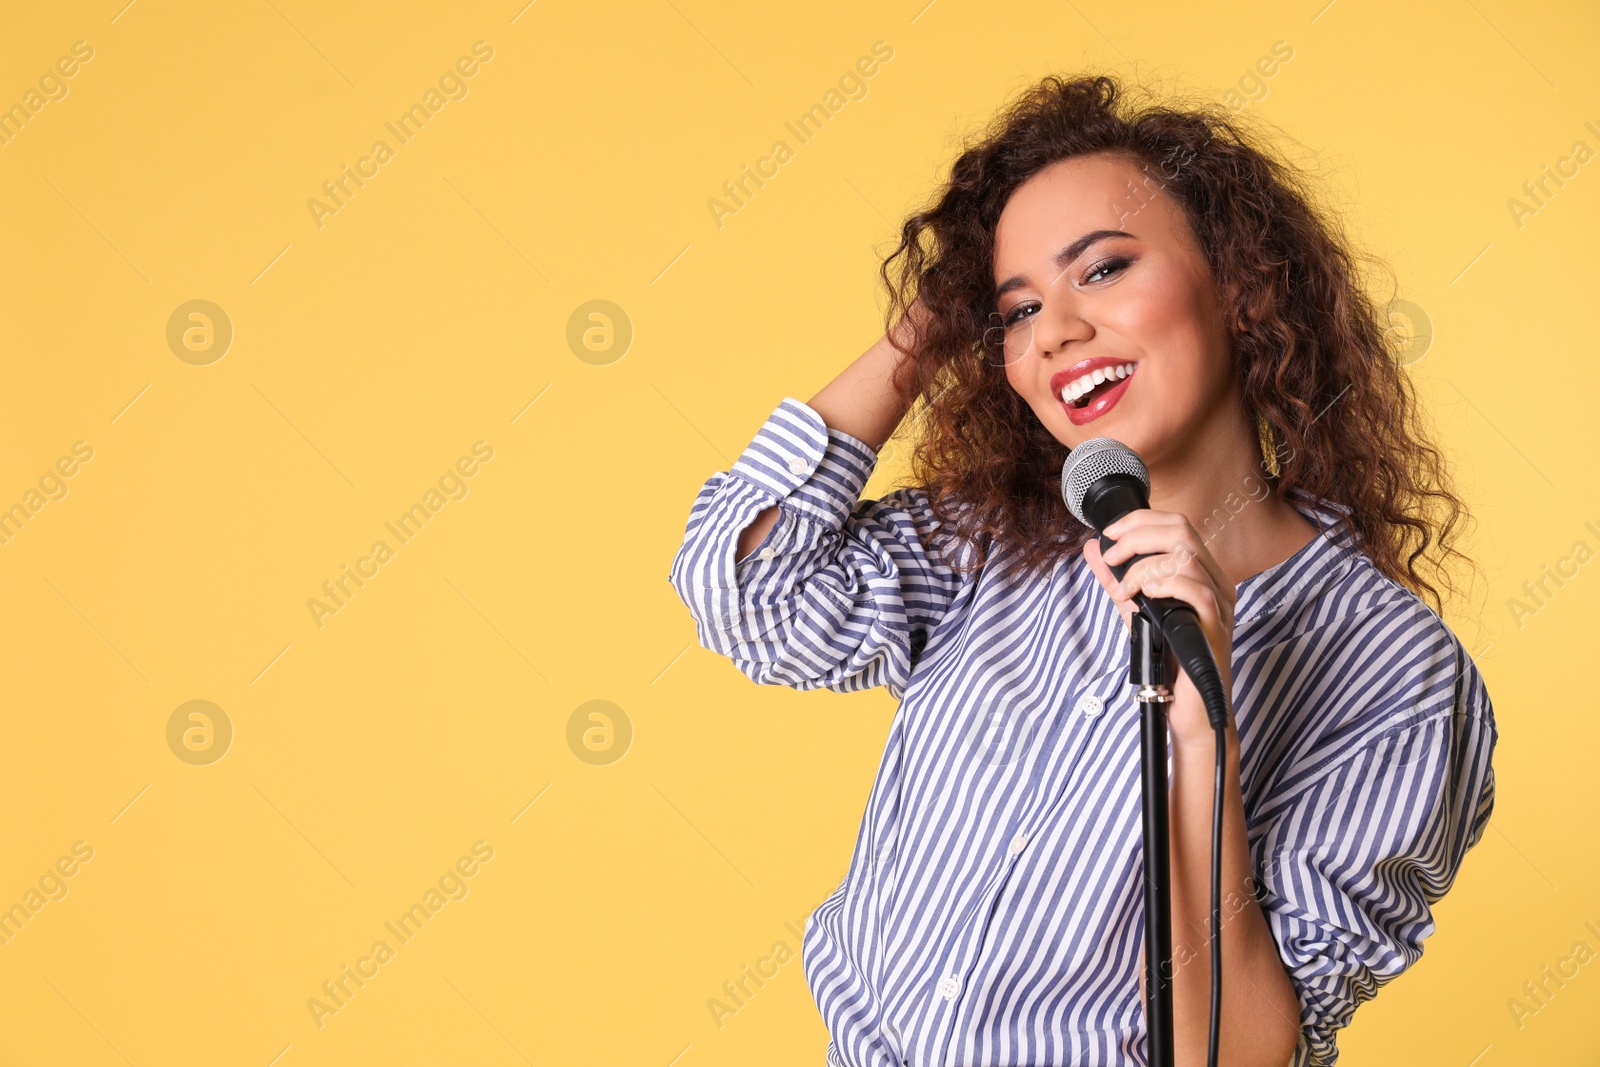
<point>1310,346</point>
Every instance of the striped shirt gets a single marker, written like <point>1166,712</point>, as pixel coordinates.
<point>992,913</point>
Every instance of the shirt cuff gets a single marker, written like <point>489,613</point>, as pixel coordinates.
<point>816,470</point>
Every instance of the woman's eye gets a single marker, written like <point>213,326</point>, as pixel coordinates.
<point>1015,315</point>
<point>1113,264</point>
<point>1106,266</point>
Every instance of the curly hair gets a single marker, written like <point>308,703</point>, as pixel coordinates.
<point>1310,347</point>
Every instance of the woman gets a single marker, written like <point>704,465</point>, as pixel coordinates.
<point>1144,273</point>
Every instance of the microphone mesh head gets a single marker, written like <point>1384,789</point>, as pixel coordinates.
<point>1093,460</point>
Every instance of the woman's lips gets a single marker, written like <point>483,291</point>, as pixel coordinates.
<point>1102,402</point>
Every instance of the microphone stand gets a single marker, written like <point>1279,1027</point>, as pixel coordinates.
<point>1152,667</point>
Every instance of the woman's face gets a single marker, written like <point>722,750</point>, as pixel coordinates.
<point>1094,276</point>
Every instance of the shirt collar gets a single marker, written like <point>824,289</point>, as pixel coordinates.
<point>1331,553</point>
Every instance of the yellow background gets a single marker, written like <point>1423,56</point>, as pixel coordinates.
<point>432,312</point>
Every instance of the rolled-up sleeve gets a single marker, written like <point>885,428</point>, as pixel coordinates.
<point>841,593</point>
<point>1352,862</point>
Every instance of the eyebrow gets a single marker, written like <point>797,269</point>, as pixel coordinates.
<point>1063,258</point>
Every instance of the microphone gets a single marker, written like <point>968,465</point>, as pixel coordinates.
<point>1101,481</point>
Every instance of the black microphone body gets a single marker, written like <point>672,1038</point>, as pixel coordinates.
<point>1107,499</point>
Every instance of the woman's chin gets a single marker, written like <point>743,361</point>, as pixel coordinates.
<point>1123,430</point>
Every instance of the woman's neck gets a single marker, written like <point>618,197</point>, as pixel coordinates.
<point>1219,485</point>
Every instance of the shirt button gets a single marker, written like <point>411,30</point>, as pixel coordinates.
<point>797,465</point>
<point>949,986</point>
<point>768,553</point>
<point>1091,705</point>
<point>1019,843</point>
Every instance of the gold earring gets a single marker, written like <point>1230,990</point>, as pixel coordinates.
<point>1269,445</point>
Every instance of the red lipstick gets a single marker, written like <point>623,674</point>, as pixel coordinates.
<point>1103,401</point>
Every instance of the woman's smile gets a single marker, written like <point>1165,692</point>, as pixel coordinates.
<point>1091,387</point>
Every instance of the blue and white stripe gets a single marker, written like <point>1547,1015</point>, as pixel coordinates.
<point>992,911</point>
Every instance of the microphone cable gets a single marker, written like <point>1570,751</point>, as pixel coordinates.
<point>1216,897</point>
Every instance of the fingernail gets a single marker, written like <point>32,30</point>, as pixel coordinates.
<point>1153,585</point>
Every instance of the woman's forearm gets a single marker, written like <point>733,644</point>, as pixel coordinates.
<point>864,401</point>
<point>1260,1021</point>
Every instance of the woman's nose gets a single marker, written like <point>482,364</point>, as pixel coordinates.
<point>1054,329</point>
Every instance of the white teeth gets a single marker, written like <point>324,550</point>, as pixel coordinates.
<point>1075,389</point>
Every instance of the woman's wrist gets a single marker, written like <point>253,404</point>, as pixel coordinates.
<point>866,400</point>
